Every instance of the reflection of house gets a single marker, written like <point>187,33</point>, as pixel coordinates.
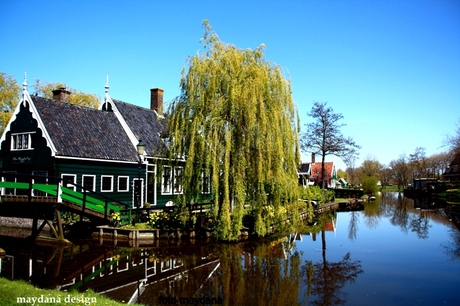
<point>311,174</point>
<point>129,275</point>
<point>452,173</point>
<point>92,148</point>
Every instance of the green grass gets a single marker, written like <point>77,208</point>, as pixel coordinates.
<point>21,293</point>
<point>392,188</point>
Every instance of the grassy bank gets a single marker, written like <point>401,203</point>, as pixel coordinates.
<point>393,188</point>
<point>20,292</point>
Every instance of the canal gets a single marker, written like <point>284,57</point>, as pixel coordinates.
<point>396,251</point>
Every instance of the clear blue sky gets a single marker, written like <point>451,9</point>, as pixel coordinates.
<point>392,68</point>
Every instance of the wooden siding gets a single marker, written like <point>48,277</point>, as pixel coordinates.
<point>100,169</point>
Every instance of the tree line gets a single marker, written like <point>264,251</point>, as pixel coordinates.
<point>399,172</point>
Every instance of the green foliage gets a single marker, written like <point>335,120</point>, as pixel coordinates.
<point>342,174</point>
<point>369,184</point>
<point>9,98</point>
<point>235,119</point>
<point>77,97</point>
<point>165,220</point>
<point>315,193</point>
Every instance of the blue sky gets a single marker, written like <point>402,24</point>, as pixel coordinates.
<point>392,68</point>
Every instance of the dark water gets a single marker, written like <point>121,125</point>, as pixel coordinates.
<point>396,252</point>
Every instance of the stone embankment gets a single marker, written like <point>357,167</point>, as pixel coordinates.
<point>17,227</point>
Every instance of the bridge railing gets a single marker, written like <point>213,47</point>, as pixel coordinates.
<point>62,189</point>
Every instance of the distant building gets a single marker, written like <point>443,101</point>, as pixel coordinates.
<point>452,172</point>
<point>341,183</point>
<point>310,173</point>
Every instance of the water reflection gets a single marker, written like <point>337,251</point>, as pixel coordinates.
<point>326,280</point>
<point>310,267</point>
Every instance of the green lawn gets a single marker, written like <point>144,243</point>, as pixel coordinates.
<point>21,293</point>
<point>392,188</point>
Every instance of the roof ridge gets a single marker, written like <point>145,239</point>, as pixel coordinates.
<point>119,101</point>
<point>65,103</point>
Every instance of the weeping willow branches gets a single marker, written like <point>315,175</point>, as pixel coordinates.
<point>235,119</point>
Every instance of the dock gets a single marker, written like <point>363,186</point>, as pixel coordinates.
<point>327,207</point>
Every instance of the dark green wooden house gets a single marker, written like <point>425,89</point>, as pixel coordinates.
<point>92,149</point>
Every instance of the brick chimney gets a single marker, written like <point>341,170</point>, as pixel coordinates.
<point>61,94</point>
<point>156,100</point>
<point>312,158</point>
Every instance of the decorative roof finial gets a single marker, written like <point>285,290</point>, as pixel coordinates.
<point>24,84</point>
<point>107,86</point>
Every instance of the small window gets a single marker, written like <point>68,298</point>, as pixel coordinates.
<point>206,182</point>
<point>68,180</point>
<point>21,141</point>
<point>106,183</point>
<point>123,183</point>
<point>89,182</point>
<point>166,180</point>
<point>178,179</point>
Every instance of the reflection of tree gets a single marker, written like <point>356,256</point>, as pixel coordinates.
<point>400,215</point>
<point>453,249</point>
<point>372,212</point>
<point>353,226</point>
<point>420,226</point>
<point>327,279</point>
<point>266,278</point>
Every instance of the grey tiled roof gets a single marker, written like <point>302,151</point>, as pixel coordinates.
<point>144,122</point>
<point>84,132</point>
<point>304,168</point>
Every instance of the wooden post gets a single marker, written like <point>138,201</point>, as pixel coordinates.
<point>105,208</point>
<point>59,225</point>
<point>83,205</point>
<point>50,224</point>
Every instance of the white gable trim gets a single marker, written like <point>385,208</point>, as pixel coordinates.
<point>26,99</point>
<point>126,128</point>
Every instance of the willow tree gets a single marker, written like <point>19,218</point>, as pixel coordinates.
<point>235,119</point>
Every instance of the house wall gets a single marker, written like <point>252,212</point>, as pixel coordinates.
<point>98,170</point>
<point>38,159</point>
<point>26,161</point>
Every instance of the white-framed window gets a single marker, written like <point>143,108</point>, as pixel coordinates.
<point>171,180</point>
<point>123,264</point>
<point>106,183</point>
<point>151,186</point>
<point>123,183</point>
<point>178,171</point>
<point>89,182</point>
<point>177,262</point>
<point>68,180</point>
<point>41,177</point>
<point>138,193</point>
<point>166,180</point>
<point>205,182</point>
<point>21,141</point>
<point>166,265</point>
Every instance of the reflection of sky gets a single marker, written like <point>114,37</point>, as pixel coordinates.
<point>398,266</point>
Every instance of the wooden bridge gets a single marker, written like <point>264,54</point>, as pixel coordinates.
<point>46,201</point>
